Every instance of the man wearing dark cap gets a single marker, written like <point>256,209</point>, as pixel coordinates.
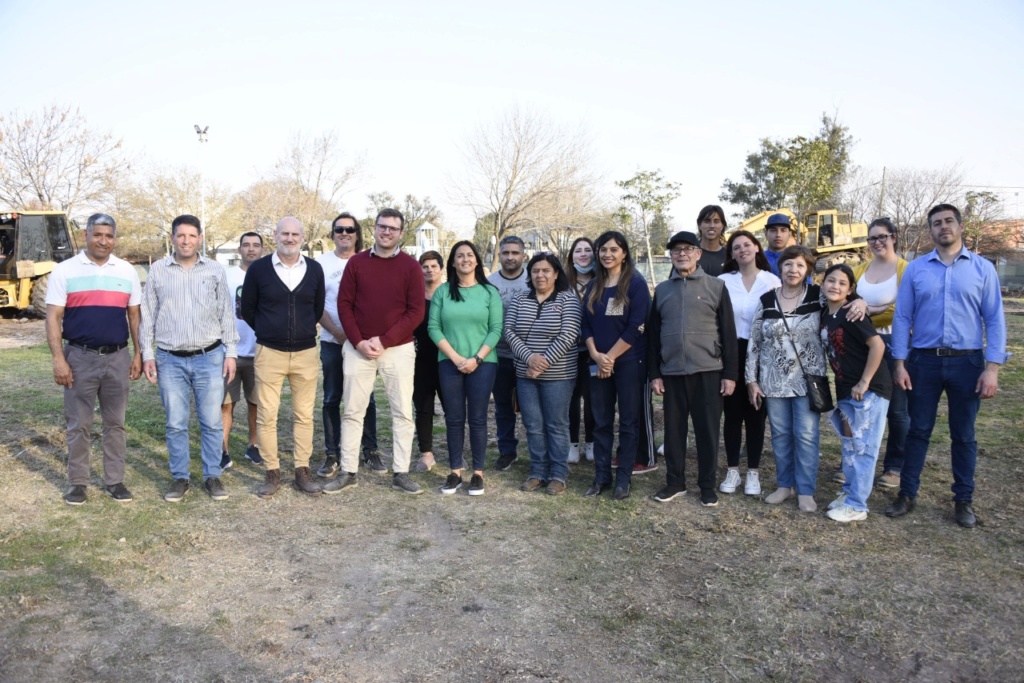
<point>777,232</point>
<point>92,301</point>
<point>693,360</point>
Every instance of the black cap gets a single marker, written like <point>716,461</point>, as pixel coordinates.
<point>683,237</point>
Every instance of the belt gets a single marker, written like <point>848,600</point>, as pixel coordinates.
<point>100,350</point>
<point>948,352</point>
<point>189,354</point>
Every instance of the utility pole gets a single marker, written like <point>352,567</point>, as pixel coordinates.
<point>881,195</point>
<point>201,132</point>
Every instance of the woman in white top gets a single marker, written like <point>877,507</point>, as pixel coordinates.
<point>877,283</point>
<point>747,276</point>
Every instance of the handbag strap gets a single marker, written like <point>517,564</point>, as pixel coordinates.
<point>789,334</point>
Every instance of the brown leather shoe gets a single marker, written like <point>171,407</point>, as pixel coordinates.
<point>304,482</point>
<point>270,485</point>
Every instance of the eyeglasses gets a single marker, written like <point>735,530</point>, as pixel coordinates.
<point>879,238</point>
<point>683,250</point>
<point>388,228</point>
<point>348,231</point>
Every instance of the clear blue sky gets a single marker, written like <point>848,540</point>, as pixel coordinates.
<point>686,87</point>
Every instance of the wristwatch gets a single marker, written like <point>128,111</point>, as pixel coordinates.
<point>478,359</point>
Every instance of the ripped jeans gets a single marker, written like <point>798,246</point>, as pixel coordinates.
<point>860,451</point>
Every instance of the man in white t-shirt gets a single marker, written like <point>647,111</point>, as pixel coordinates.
<point>348,241</point>
<point>250,248</point>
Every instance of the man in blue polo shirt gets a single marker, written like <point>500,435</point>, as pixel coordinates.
<point>93,302</point>
<point>948,335</point>
<point>778,234</point>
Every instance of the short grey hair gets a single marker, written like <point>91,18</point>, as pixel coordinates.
<point>100,219</point>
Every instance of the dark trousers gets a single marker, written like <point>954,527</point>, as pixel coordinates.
<point>465,401</point>
<point>581,392</point>
<point>697,396</point>
<point>899,418</point>
<point>104,378</point>
<point>504,409</point>
<point>628,387</point>
<point>334,382</point>
<point>741,414</point>
<point>425,385</point>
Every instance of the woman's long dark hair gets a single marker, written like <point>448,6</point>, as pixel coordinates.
<point>561,281</point>
<point>601,277</point>
<point>570,263</point>
<point>453,276</point>
<point>760,260</point>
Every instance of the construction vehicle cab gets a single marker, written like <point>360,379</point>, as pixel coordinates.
<point>32,243</point>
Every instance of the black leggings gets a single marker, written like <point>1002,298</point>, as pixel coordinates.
<point>425,385</point>
<point>581,392</point>
<point>740,412</point>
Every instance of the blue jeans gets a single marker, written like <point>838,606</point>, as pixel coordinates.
<point>627,387</point>
<point>930,376</point>
<point>860,451</point>
<point>465,400</point>
<point>179,380</point>
<point>545,408</point>
<point>794,443</point>
<point>334,384</point>
<point>899,418</point>
<point>504,410</point>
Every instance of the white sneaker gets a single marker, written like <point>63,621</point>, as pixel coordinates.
<point>844,513</point>
<point>841,500</point>
<point>752,487</point>
<point>661,449</point>
<point>731,482</point>
<point>590,451</point>
<point>574,454</point>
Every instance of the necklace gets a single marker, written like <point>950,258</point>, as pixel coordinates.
<point>798,295</point>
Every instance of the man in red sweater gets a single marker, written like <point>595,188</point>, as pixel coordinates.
<point>380,303</point>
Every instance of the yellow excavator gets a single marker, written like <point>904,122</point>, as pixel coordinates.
<point>32,243</point>
<point>832,236</point>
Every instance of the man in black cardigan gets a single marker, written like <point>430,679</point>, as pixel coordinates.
<point>282,300</point>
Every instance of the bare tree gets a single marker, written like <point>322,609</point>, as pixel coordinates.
<point>315,168</point>
<point>53,160</point>
<point>517,167</point>
<point>416,212</point>
<point>646,196</point>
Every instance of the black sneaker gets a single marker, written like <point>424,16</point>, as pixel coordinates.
<point>476,484</point>
<point>346,480</point>
<point>215,488</point>
<point>329,470</point>
<point>75,495</point>
<point>708,498</point>
<point>402,482</point>
<point>225,461</point>
<point>452,484</point>
<point>119,492</point>
<point>901,506</point>
<point>668,493</point>
<point>177,491</point>
<point>373,461</point>
<point>252,454</point>
<point>505,461</point>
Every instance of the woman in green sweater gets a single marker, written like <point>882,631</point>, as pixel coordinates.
<point>465,323</point>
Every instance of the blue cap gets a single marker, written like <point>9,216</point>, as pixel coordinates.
<point>777,219</point>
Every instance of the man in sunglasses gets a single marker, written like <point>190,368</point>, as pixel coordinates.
<point>380,303</point>
<point>348,240</point>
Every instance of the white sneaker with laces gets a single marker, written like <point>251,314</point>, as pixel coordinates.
<point>590,451</point>
<point>844,513</point>
<point>574,454</point>
<point>752,487</point>
<point>731,482</point>
<point>841,500</point>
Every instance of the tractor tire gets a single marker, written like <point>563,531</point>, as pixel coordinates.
<point>37,299</point>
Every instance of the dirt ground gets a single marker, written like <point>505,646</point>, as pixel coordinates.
<point>16,333</point>
<point>373,585</point>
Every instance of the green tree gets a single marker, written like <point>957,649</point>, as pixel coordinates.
<point>646,196</point>
<point>803,173</point>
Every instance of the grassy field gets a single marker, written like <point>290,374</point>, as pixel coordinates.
<point>372,585</point>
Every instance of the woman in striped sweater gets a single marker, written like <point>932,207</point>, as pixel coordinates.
<point>542,328</point>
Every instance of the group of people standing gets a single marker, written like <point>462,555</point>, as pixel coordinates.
<point>542,339</point>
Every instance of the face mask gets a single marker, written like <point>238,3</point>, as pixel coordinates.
<point>584,271</point>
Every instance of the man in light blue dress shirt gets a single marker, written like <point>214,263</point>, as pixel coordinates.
<point>948,335</point>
